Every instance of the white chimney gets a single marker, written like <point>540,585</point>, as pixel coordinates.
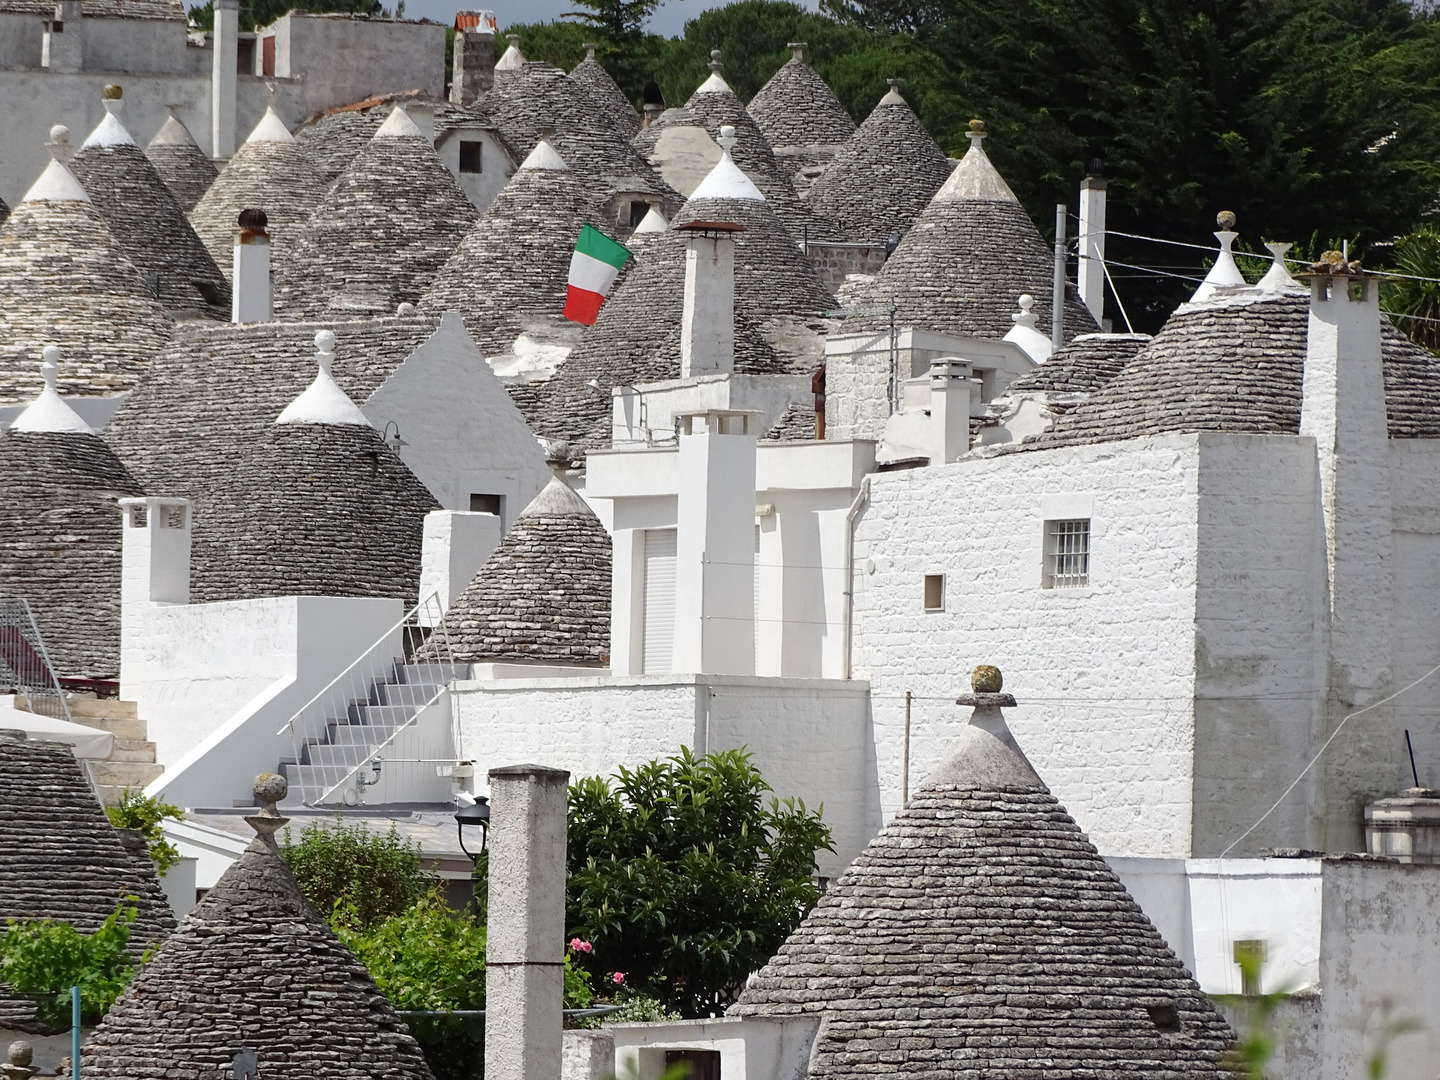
<point>422,114</point>
<point>226,42</point>
<point>715,544</point>
<point>525,947</point>
<point>949,409</point>
<point>1092,241</point>
<point>455,544</point>
<point>1343,410</point>
<point>250,295</point>
<point>707,328</point>
<point>62,48</point>
<point>155,551</point>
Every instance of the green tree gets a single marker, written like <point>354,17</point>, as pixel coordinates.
<point>356,877</point>
<point>1416,304</point>
<point>685,878</point>
<point>146,815</point>
<point>43,958</point>
<point>256,14</point>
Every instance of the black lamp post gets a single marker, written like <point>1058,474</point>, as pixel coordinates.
<point>478,814</point>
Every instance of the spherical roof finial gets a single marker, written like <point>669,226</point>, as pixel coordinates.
<point>113,92</point>
<point>325,341</point>
<point>986,679</point>
<point>1225,219</point>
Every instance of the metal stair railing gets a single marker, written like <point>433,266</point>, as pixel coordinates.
<point>343,701</point>
<point>25,662</point>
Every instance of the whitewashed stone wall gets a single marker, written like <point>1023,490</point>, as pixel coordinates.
<point>810,737</point>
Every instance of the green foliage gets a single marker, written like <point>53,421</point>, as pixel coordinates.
<point>44,958</point>
<point>683,877</point>
<point>1416,254</point>
<point>146,814</point>
<point>355,877</point>
<point>256,14</point>
<point>561,43</point>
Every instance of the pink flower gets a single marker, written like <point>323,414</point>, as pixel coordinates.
<point>618,977</point>
<point>577,945</point>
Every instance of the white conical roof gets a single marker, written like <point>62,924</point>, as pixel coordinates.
<point>714,85</point>
<point>544,156</point>
<point>726,181</point>
<point>110,131</point>
<point>1277,278</point>
<point>49,412</point>
<point>398,125</point>
<point>975,178</point>
<point>270,129</point>
<point>323,402</point>
<point>653,221</point>
<point>56,184</point>
<point>1036,345</point>
<point>512,59</point>
<point>1224,275</point>
<point>173,133</point>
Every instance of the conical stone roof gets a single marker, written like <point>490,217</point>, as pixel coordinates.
<point>543,597</point>
<point>253,966</point>
<point>331,140</point>
<point>967,259</point>
<point>60,858</point>
<point>779,315</point>
<point>713,106</point>
<point>802,119</point>
<point>65,282</point>
<point>981,934</point>
<point>1237,364</point>
<point>381,233</point>
<point>541,98</point>
<point>512,266</point>
<point>4,211</point>
<point>1083,365</point>
<point>60,534</point>
<point>147,223</point>
<point>268,172</point>
<point>187,172</point>
<point>884,177</point>
<point>606,93</point>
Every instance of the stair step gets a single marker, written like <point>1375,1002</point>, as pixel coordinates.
<point>133,750</point>
<point>349,755</point>
<point>359,734</point>
<point>391,716</point>
<point>120,727</point>
<point>436,673</point>
<point>102,708</point>
<point>135,774</point>
<point>414,694</point>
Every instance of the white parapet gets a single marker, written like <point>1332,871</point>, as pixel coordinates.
<point>456,544</point>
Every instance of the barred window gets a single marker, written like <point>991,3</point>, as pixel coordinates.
<point>1067,554</point>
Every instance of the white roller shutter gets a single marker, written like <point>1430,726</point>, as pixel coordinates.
<point>659,600</point>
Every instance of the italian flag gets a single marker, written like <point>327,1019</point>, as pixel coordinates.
<point>593,267</point>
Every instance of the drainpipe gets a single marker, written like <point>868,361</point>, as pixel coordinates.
<point>1057,301</point>
<point>861,498</point>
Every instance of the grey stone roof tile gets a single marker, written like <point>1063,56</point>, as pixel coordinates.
<point>884,177</point>
<point>1237,365</point>
<point>187,172</point>
<point>149,226</point>
<point>272,176</point>
<point>379,236</point>
<point>796,108</point>
<point>330,141</point>
<point>1083,365</point>
<point>981,934</point>
<point>543,597</point>
<point>796,425</point>
<point>779,318</point>
<point>591,75</point>
<point>60,535</point>
<point>253,965</point>
<point>64,281</point>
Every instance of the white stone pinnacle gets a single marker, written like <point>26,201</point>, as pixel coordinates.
<point>49,412</point>
<point>725,180</point>
<point>110,131</point>
<point>323,402</point>
<point>270,129</point>
<point>398,125</point>
<point>56,184</point>
<point>544,156</point>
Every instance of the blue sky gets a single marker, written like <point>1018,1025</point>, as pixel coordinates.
<point>669,20</point>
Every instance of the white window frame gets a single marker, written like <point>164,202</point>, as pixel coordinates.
<point>1067,554</point>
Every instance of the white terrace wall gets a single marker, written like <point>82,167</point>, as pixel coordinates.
<point>810,737</point>
<point>1104,675</point>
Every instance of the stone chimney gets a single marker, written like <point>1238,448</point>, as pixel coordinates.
<point>226,43</point>
<point>949,409</point>
<point>473,56</point>
<point>155,551</point>
<point>250,297</point>
<point>1405,827</point>
<point>525,949</point>
<point>1091,271</point>
<point>1343,410</point>
<point>62,48</point>
<point>707,327</point>
<point>715,544</point>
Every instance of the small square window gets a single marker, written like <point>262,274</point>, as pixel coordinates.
<point>638,210</point>
<point>1250,955</point>
<point>934,592</point>
<point>173,518</point>
<point>137,517</point>
<point>470,156</point>
<point>485,504</point>
<point>1165,1017</point>
<point>1067,554</point>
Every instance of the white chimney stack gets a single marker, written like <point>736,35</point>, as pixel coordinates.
<point>715,544</point>
<point>250,295</point>
<point>707,328</point>
<point>155,551</point>
<point>525,947</point>
<point>949,409</point>
<point>226,42</point>
<point>454,546</point>
<point>1343,410</point>
<point>1092,241</point>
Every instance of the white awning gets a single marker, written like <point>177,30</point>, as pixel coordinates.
<point>87,742</point>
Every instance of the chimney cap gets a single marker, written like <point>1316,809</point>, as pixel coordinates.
<point>797,49</point>
<point>252,220</point>
<point>1095,167</point>
<point>710,227</point>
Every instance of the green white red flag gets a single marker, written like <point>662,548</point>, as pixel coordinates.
<point>593,268</point>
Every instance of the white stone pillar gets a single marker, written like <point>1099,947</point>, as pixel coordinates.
<point>226,42</point>
<point>1343,409</point>
<point>1092,245</point>
<point>949,409</point>
<point>707,328</point>
<point>525,948</point>
<point>455,545</point>
<point>250,293</point>
<point>715,545</point>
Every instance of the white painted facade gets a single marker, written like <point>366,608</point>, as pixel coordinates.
<point>496,167</point>
<point>646,414</point>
